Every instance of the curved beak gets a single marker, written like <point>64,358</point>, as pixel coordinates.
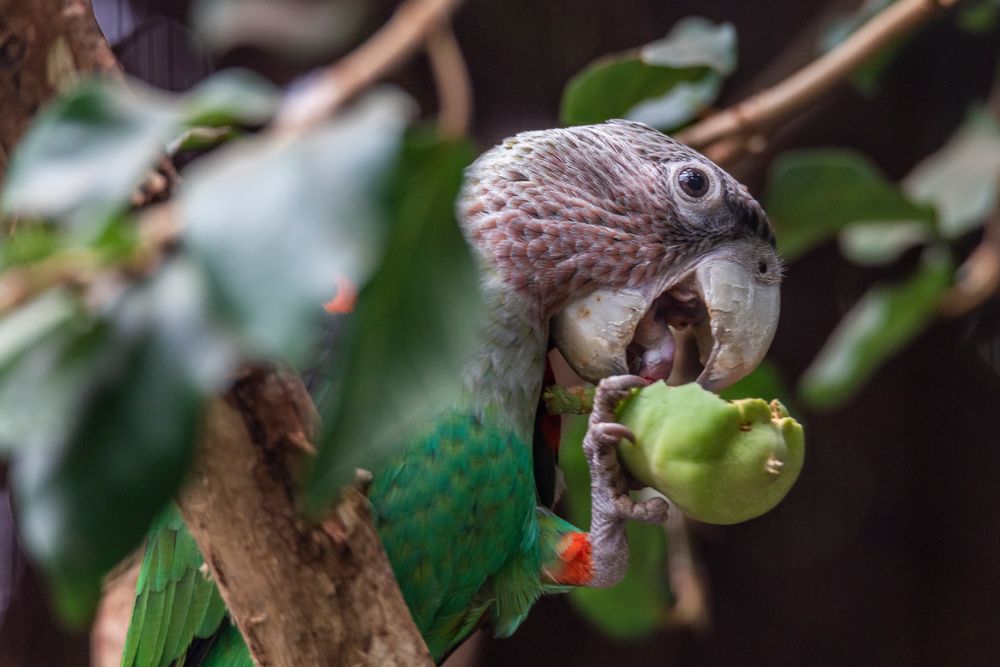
<point>714,325</point>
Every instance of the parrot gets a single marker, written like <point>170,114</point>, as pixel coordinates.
<point>633,255</point>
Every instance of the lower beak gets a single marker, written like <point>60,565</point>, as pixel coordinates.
<point>714,326</point>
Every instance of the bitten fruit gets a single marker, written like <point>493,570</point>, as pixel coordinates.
<point>719,461</point>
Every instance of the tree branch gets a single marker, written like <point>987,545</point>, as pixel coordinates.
<point>300,594</point>
<point>398,39</point>
<point>723,134</point>
<point>451,77</point>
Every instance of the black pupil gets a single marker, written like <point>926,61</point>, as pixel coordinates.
<point>693,182</point>
<point>762,268</point>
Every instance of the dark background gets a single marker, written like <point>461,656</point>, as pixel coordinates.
<point>887,551</point>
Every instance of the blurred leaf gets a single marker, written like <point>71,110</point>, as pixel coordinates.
<point>231,97</point>
<point>30,243</point>
<point>87,495</point>
<point>813,194</point>
<point>87,151</point>
<point>25,326</point>
<point>640,603</point>
<point>277,222</point>
<point>665,84</point>
<point>201,138</point>
<point>414,326</point>
<point>866,78</point>
<point>296,29</point>
<point>881,243</point>
<point>978,16</point>
<point>43,381</point>
<point>879,325</point>
<point>961,179</point>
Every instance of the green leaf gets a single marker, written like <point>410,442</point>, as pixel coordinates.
<point>881,243</point>
<point>87,151</point>
<point>879,325</point>
<point>961,179</point>
<point>30,243</point>
<point>25,326</point>
<point>231,97</point>
<point>87,491</point>
<point>665,84</point>
<point>300,30</point>
<point>640,604</point>
<point>276,223</point>
<point>43,384</point>
<point>813,194</point>
<point>414,325</point>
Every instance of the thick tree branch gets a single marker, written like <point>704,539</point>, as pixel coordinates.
<point>300,594</point>
<point>721,136</point>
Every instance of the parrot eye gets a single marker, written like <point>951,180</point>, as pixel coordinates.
<point>693,182</point>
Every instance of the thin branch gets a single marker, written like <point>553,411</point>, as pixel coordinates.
<point>398,39</point>
<point>978,277</point>
<point>774,104</point>
<point>451,77</point>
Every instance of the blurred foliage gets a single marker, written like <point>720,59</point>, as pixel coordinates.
<point>102,390</point>
<point>885,319</point>
<point>289,29</point>
<point>414,325</point>
<point>814,194</point>
<point>664,84</point>
<point>962,179</point>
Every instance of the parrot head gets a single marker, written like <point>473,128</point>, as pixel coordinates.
<point>642,255</point>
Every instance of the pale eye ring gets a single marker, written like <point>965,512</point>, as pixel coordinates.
<point>693,181</point>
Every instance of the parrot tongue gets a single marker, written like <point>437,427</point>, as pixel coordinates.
<point>653,352</point>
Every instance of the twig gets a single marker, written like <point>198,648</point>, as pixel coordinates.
<point>687,577</point>
<point>572,400</point>
<point>978,277</point>
<point>400,37</point>
<point>770,106</point>
<point>451,77</point>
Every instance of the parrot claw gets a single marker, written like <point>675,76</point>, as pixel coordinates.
<point>611,505</point>
<point>609,483</point>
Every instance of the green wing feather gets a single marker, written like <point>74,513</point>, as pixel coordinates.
<point>176,601</point>
<point>456,513</point>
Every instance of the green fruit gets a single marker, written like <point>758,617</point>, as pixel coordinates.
<point>719,461</point>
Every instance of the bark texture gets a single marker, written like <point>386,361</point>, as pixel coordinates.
<point>44,46</point>
<point>301,594</point>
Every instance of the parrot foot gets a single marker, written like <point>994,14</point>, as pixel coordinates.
<point>611,505</point>
<point>601,447</point>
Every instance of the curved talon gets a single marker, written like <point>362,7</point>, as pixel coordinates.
<point>615,432</point>
<point>653,511</point>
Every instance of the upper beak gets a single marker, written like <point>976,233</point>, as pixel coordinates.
<point>714,325</point>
